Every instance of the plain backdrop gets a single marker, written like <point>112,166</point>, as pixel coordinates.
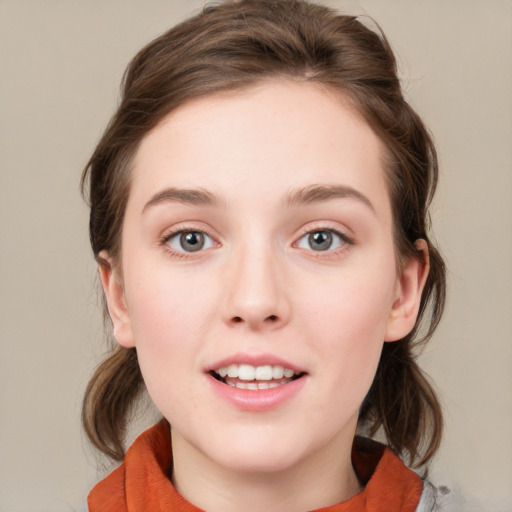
<point>61,63</point>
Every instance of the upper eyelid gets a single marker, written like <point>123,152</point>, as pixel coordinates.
<point>326,226</point>
<point>186,227</point>
<point>344,238</point>
<point>165,239</point>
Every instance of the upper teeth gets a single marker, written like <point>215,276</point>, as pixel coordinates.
<point>249,372</point>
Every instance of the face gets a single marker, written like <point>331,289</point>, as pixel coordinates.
<point>258,274</point>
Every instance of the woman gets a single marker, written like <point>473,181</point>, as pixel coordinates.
<point>259,216</point>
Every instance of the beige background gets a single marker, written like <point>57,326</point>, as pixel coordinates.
<point>61,63</point>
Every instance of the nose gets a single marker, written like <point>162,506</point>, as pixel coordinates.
<point>257,296</point>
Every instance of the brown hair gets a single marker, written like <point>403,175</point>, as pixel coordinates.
<point>231,46</point>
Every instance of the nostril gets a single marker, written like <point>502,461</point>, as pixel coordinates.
<point>270,319</point>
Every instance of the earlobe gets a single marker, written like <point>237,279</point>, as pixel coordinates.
<point>114,293</point>
<point>411,282</point>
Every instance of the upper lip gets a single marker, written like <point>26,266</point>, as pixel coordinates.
<point>254,360</point>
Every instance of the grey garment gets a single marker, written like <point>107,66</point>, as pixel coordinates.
<point>432,498</point>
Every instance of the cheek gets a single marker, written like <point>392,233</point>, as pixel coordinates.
<point>166,308</point>
<point>171,315</point>
<point>163,320</point>
<point>165,330</point>
<point>353,307</point>
<point>347,327</point>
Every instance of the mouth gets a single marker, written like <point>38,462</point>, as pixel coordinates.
<point>255,378</point>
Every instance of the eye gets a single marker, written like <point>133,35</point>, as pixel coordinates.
<point>322,240</point>
<point>189,241</point>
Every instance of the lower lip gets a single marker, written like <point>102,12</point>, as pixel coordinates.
<point>257,400</point>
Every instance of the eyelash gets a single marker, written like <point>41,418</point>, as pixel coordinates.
<point>184,255</point>
<point>346,240</point>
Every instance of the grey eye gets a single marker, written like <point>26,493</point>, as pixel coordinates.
<point>322,240</point>
<point>190,241</point>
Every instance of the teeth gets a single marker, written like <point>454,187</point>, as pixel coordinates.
<point>232,370</point>
<point>247,372</point>
<point>254,385</point>
<point>277,372</point>
<point>263,373</point>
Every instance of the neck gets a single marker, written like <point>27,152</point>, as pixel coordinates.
<point>323,479</point>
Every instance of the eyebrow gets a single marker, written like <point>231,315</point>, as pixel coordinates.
<point>298,197</point>
<point>193,196</point>
<point>318,193</point>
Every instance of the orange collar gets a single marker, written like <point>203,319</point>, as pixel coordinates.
<point>140,483</point>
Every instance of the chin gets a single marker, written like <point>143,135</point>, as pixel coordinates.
<point>256,452</point>
<point>267,462</point>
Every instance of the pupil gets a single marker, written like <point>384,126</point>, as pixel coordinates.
<point>320,240</point>
<point>192,241</point>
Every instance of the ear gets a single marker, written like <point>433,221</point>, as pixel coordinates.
<point>114,293</point>
<point>411,282</point>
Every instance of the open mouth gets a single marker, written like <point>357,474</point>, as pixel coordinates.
<point>246,376</point>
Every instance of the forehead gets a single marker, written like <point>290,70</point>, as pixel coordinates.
<point>269,139</point>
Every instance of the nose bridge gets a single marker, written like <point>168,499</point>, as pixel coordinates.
<point>256,293</point>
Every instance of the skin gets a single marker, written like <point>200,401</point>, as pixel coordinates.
<point>259,287</point>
